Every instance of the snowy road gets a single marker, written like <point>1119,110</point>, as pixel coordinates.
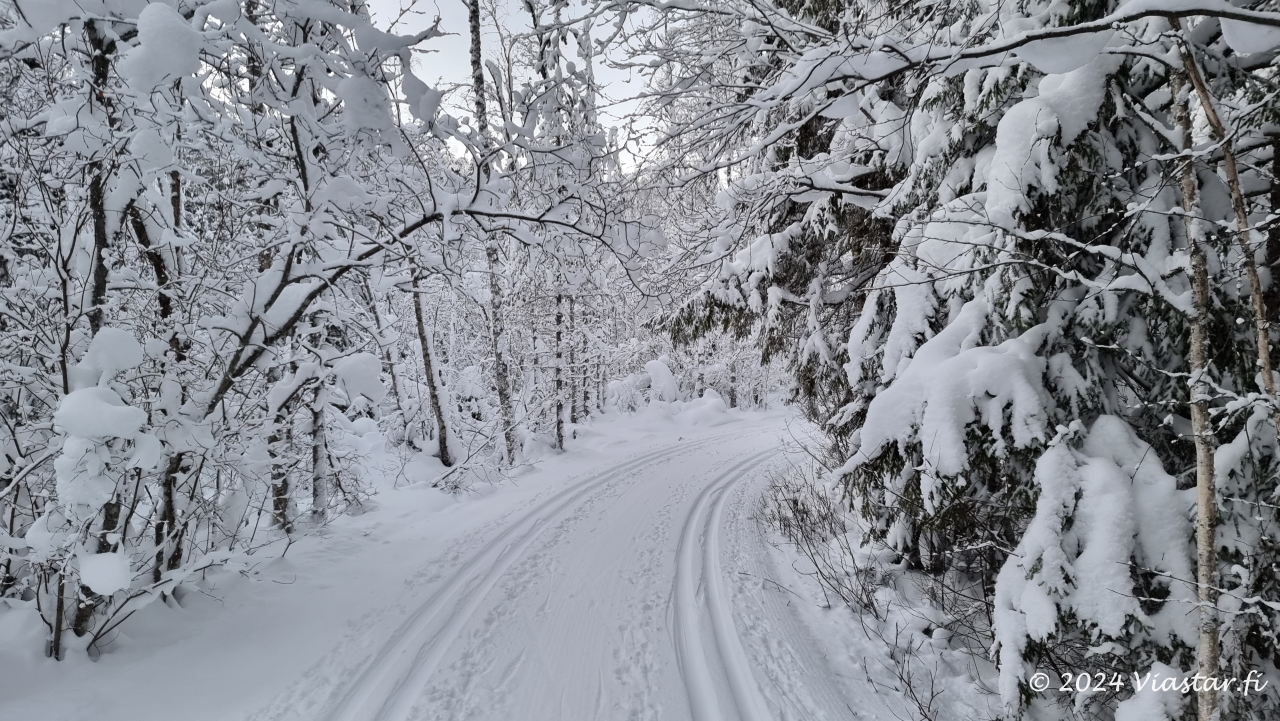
<point>632,592</point>
<point>627,579</point>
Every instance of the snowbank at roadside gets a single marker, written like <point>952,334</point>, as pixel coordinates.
<point>225,645</point>
<point>907,641</point>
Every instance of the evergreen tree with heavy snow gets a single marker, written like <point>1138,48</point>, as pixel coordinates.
<point>965,226</point>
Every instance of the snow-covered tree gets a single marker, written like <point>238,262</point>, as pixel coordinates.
<point>965,226</point>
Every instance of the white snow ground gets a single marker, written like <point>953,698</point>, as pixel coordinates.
<point>625,579</point>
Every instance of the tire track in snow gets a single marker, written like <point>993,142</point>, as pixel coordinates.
<point>387,687</point>
<point>697,664</point>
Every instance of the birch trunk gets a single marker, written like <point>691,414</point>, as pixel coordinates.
<point>319,458</point>
<point>103,49</point>
<point>573,366</point>
<point>1262,327</point>
<point>496,325</point>
<point>1273,233</point>
<point>1208,651</point>
<point>585,378</point>
<point>277,441</point>
<point>498,339</point>
<point>559,372</point>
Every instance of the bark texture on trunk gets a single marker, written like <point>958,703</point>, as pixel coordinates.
<point>280,492</point>
<point>573,365</point>
<point>103,49</point>
<point>1208,650</point>
<point>498,339</point>
<point>59,613</point>
<point>559,371</point>
<point>319,458</point>
<point>168,538</point>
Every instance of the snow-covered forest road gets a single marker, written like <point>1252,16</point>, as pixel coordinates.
<point>629,580</point>
<point>631,592</point>
<point>714,360</point>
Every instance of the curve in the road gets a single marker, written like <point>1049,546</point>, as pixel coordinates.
<point>697,663</point>
<point>386,689</point>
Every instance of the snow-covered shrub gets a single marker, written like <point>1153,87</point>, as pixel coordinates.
<point>808,513</point>
<point>172,268</point>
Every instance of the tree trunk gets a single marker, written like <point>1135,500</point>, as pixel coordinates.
<point>7,579</point>
<point>573,366</point>
<point>585,379</point>
<point>559,372</point>
<point>253,63</point>
<point>496,325</point>
<point>1273,235</point>
<point>59,613</point>
<point>103,49</point>
<point>98,287</point>
<point>477,69</point>
<point>391,357</point>
<point>89,601</point>
<point>1262,327</point>
<point>433,388</point>
<point>175,177</point>
<point>168,539</point>
<point>584,374</point>
<point>497,335</point>
<point>1207,653</point>
<point>279,473</point>
<point>319,458</point>
<point>86,604</point>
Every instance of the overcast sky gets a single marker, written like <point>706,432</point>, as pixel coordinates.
<point>450,64</point>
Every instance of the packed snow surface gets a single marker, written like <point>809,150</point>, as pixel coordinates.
<point>625,579</point>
